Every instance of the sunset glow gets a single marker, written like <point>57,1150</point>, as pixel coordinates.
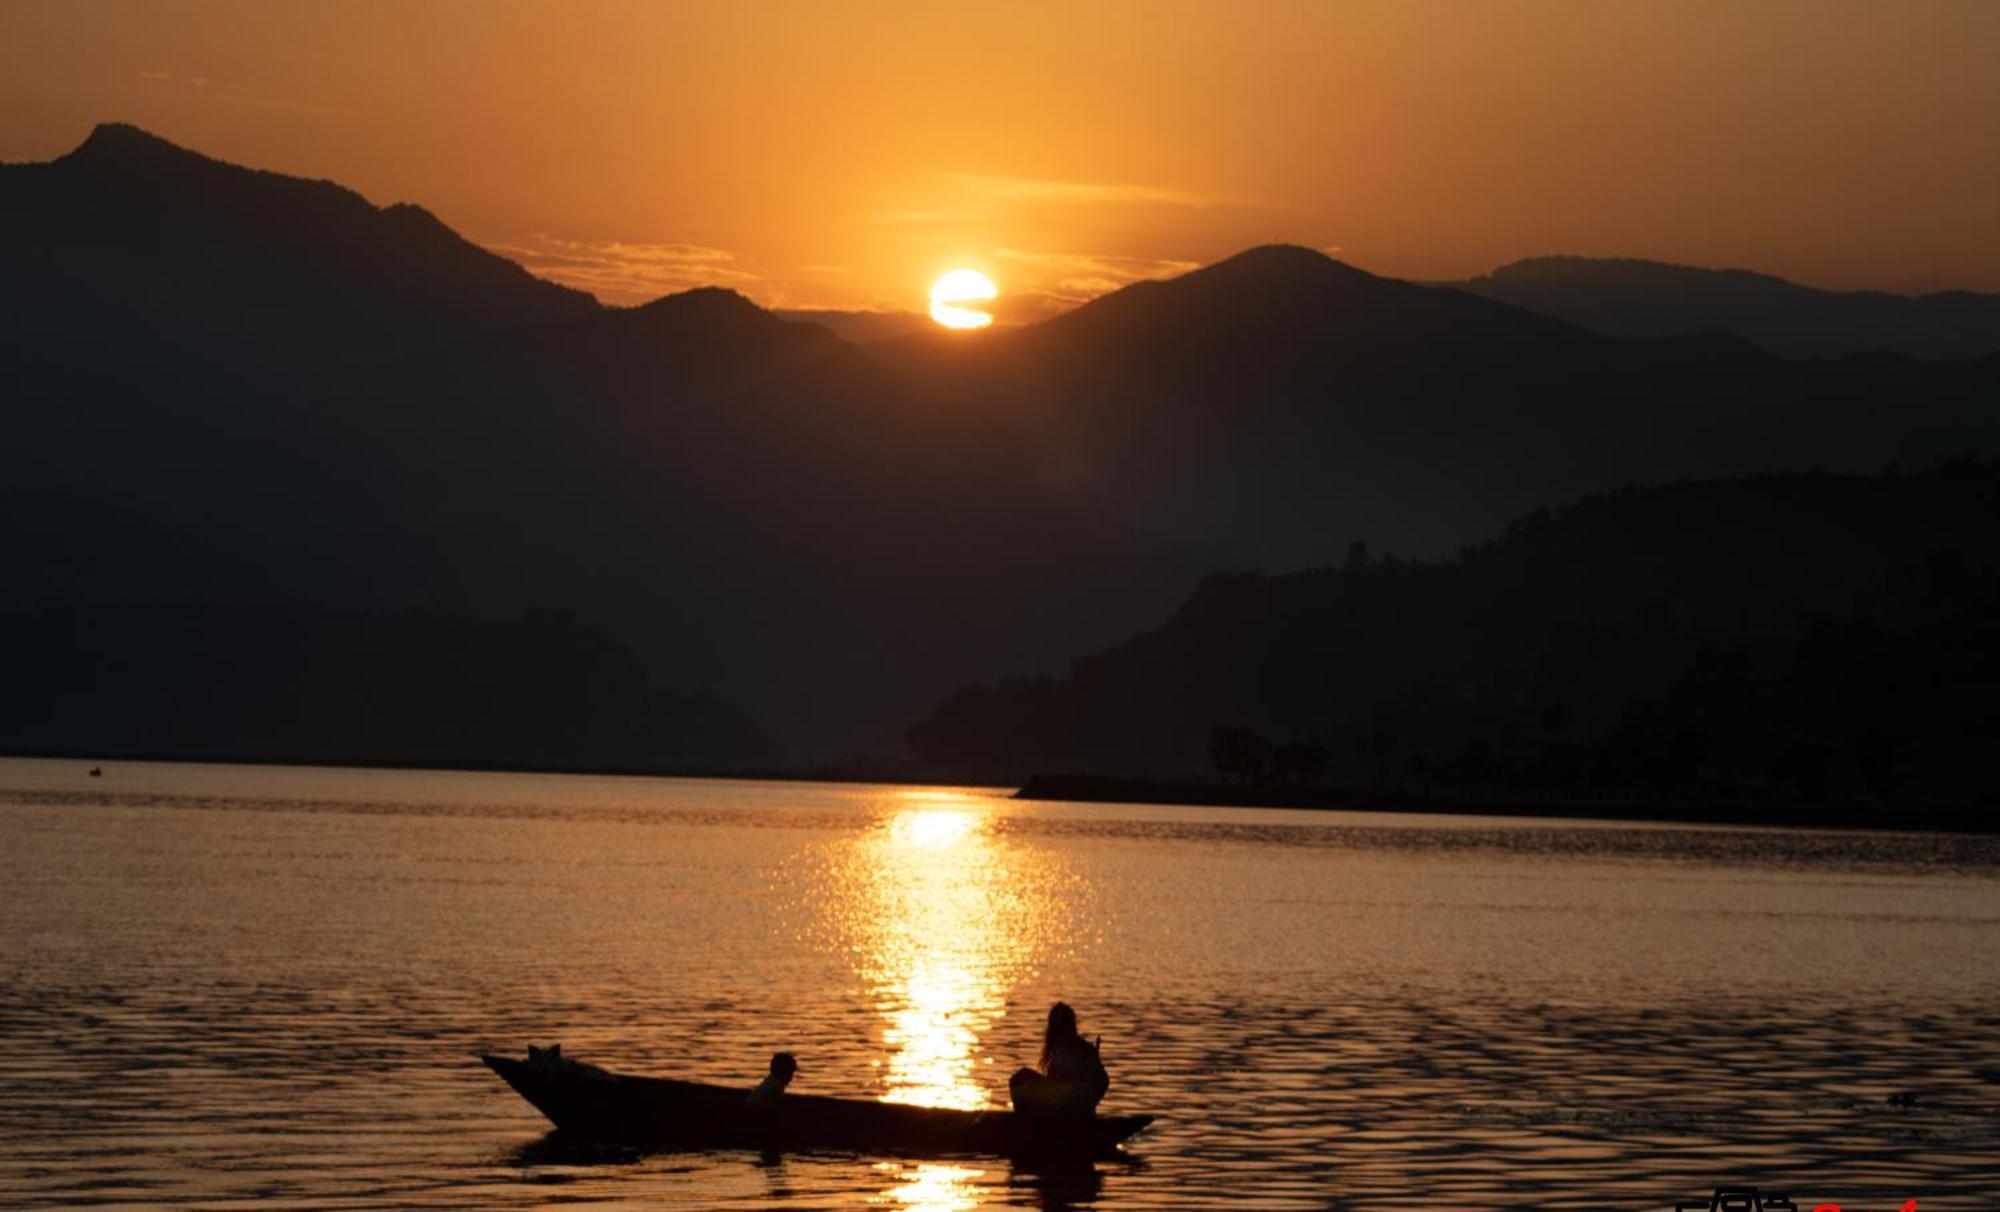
<point>956,608</point>
<point>640,150</point>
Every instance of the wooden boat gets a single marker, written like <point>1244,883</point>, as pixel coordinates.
<point>616,1107</point>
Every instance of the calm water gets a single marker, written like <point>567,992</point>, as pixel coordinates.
<point>235,987</point>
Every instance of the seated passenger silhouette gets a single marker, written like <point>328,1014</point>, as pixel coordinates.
<point>1071,1081</point>
<point>774,1083</point>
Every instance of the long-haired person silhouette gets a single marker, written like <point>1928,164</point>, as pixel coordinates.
<point>1071,1080</point>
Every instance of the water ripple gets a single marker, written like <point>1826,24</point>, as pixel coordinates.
<point>271,992</point>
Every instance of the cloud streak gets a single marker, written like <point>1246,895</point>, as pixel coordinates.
<point>211,91</point>
<point>968,197</point>
<point>1087,193</point>
<point>625,272</point>
<point>153,77</point>
<point>1080,277</point>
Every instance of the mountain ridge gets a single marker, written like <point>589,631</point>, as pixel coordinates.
<point>132,227</point>
<point>831,534</point>
<point>1282,285</point>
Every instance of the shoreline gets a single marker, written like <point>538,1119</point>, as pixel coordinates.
<point>1973,818</point>
<point>806,775</point>
<point>1105,789</point>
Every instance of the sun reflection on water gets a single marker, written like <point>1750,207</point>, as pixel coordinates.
<point>931,1186</point>
<point>947,919</point>
<point>931,828</point>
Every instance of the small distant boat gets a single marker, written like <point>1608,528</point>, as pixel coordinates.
<point>614,1107</point>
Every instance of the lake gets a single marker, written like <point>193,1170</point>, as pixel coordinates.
<point>233,987</point>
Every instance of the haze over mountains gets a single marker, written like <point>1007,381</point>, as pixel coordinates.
<point>862,327</point>
<point>1623,297</point>
<point>380,415</point>
<point>1632,298</point>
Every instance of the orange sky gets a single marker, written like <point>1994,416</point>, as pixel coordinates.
<point>841,154</point>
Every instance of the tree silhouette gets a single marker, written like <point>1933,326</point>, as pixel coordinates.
<point>1240,753</point>
<point>1300,761</point>
<point>1381,749</point>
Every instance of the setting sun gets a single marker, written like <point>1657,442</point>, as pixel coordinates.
<point>958,287</point>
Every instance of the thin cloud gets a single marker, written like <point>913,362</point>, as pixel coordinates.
<point>153,77</point>
<point>220,92</point>
<point>1028,189</point>
<point>1088,288</point>
<point>1079,277</point>
<point>621,271</point>
<point>926,217</point>
<point>1109,265</point>
<point>1019,307</point>
<point>958,198</point>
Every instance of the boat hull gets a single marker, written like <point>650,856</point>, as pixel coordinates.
<point>653,1111</point>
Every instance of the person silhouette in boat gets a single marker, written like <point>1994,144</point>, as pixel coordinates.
<point>783,1065</point>
<point>1071,1080</point>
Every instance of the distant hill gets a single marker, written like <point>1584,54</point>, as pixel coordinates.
<point>1814,637</point>
<point>1633,298</point>
<point>1283,292</point>
<point>386,418</point>
<point>862,327</point>
<point>300,683</point>
<point>66,550</point>
<point>123,639</point>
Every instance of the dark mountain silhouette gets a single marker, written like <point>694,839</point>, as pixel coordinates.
<point>180,334</point>
<point>1811,637</point>
<point>754,502</point>
<point>386,418</point>
<point>1279,402</point>
<point>132,230</point>
<point>121,638</point>
<point>1632,298</point>
<point>65,550</point>
<point>1282,291</point>
<point>313,684</point>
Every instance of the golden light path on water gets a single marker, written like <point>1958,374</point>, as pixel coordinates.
<point>949,919</point>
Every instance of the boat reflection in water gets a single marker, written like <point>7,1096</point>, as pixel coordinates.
<point>949,920</point>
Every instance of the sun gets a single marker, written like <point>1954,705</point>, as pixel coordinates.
<point>962,286</point>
